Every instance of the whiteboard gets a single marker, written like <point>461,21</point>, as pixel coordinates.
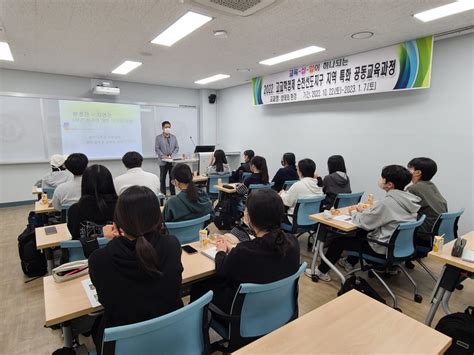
<point>30,128</point>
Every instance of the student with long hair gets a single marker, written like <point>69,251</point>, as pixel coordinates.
<point>138,273</point>
<point>190,202</point>
<point>219,164</point>
<point>258,167</point>
<point>337,182</point>
<point>96,206</point>
<point>244,167</point>
<point>287,172</point>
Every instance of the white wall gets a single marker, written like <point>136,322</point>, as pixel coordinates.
<point>16,180</point>
<point>208,118</point>
<point>373,130</point>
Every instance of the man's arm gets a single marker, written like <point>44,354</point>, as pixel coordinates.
<point>176,147</point>
<point>371,218</point>
<point>158,150</point>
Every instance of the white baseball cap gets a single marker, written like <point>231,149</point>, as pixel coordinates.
<point>57,160</point>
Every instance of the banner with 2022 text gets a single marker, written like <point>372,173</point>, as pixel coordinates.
<point>403,66</point>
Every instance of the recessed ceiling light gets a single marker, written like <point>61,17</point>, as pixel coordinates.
<point>5,52</point>
<point>188,23</point>
<point>362,35</point>
<point>212,78</point>
<point>126,67</point>
<point>445,10</point>
<point>292,55</point>
<point>220,34</point>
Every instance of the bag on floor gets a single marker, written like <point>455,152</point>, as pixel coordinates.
<point>227,213</point>
<point>33,262</point>
<point>360,284</point>
<point>460,327</point>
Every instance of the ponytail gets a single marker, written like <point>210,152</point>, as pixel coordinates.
<point>282,244</point>
<point>192,192</point>
<point>261,164</point>
<point>147,256</point>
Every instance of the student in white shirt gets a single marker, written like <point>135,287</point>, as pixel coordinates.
<point>58,174</point>
<point>135,175</point>
<point>218,164</point>
<point>70,192</point>
<point>307,186</point>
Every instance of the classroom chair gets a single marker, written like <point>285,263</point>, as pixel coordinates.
<point>346,200</point>
<point>245,176</point>
<point>305,206</point>
<point>49,191</point>
<point>288,183</point>
<point>254,187</point>
<point>187,231</point>
<point>400,248</point>
<point>257,310</point>
<point>211,190</point>
<point>447,225</point>
<point>64,213</point>
<point>184,331</point>
<point>74,248</point>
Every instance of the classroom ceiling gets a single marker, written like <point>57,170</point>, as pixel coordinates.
<point>90,38</point>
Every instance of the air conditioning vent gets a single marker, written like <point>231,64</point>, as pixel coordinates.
<point>237,7</point>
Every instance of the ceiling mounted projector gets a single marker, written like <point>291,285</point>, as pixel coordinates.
<point>106,88</point>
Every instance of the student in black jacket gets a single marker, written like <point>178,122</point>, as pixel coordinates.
<point>258,167</point>
<point>336,182</point>
<point>138,274</point>
<point>273,255</point>
<point>288,172</point>
<point>96,206</point>
<point>244,167</point>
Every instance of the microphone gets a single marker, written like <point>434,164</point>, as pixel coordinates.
<point>192,141</point>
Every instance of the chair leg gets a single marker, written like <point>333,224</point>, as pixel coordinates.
<point>417,297</point>
<point>394,298</point>
<point>423,265</point>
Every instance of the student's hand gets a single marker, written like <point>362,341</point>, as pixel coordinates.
<point>359,208</point>
<point>110,232</point>
<point>229,246</point>
<point>221,245</point>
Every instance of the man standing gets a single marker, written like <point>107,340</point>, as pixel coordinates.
<point>166,146</point>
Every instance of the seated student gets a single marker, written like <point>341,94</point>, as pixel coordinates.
<point>432,202</point>
<point>377,222</point>
<point>138,273</point>
<point>191,202</point>
<point>307,186</point>
<point>70,192</point>
<point>244,167</point>
<point>219,164</point>
<point>258,167</point>
<point>96,206</point>
<point>273,255</point>
<point>135,175</point>
<point>336,182</point>
<point>58,174</point>
<point>288,172</point>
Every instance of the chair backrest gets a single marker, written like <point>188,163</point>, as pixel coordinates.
<point>447,224</point>
<point>187,231</point>
<point>64,213</point>
<point>288,183</point>
<point>267,307</point>
<point>404,244</point>
<point>49,191</point>
<point>212,182</point>
<point>245,176</point>
<point>346,200</point>
<point>180,332</point>
<point>253,187</point>
<point>306,206</point>
<point>75,248</point>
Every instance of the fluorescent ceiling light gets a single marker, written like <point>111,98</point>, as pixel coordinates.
<point>212,78</point>
<point>188,23</point>
<point>5,52</point>
<point>445,10</point>
<point>292,55</point>
<point>126,67</point>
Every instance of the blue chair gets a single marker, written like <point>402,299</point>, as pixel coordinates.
<point>245,176</point>
<point>346,200</point>
<point>184,331</point>
<point>254,187</point>
<point>257,310</point>
<point>187,231</point>
<point>49,191</point>
<point>64,213</point>
<point>212,181</point>
<point>74,247</point>
<point>305,206</point>
<point>288,183</point>
<point>400,248</point>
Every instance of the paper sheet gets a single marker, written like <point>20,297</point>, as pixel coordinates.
<point>91,293</point>
<point>210,253</point>
<point>343,218</point>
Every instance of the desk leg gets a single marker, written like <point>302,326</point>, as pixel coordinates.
<point>434,305</point>
<point>49,260</point>
<point>331,265</point>
<point>315,252</point>
<point>445,302</point>
<point>67,334</point>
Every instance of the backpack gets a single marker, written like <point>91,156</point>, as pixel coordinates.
<point>460,327</point>
<point>33,262</point>
<point>360,284</point>
<point>227,213</point>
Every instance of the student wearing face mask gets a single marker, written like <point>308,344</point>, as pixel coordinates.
<point>190,202</point>
<point>166,147</point>
<point>288,172</point>
<point>377,222</point>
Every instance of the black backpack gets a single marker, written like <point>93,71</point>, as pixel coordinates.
<point>460,327</point>
<point>33,262</point>
<point>360,284</point>
<point>227,214</point>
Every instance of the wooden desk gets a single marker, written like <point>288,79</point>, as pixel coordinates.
<point>352,323</point>
<point>42,208</point>
<point>44,241</point>
<point>223,189</point>
<point>200,179</point>
<point>37,190</point>
<point>454,271</point>
<point>340,225</point>
<point>68,300</point>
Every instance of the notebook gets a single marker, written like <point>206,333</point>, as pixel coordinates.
<point>91,292</point>
<point>210,253</point>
